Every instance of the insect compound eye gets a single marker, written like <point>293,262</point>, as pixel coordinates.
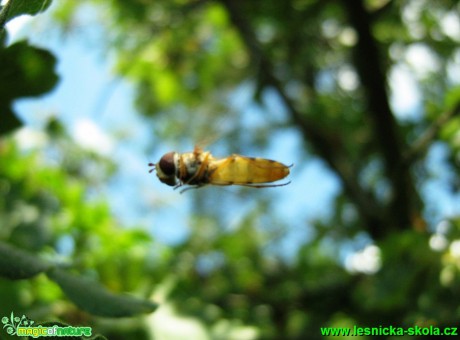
<point>166,169</point>
<point>167,165</point>
<point>171,180</point>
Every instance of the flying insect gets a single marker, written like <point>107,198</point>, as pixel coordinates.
<point>199,168</point>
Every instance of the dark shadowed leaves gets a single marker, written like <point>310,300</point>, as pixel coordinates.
<point>9,119</point>
<point>25,71</point>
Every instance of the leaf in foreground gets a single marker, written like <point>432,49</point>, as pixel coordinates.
<point>16,264</point>
<point>15,8</point>
<point>90,296</point>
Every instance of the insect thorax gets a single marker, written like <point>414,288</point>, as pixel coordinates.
<point>195,168</point>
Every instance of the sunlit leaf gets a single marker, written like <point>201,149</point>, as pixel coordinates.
<point>453,98</point>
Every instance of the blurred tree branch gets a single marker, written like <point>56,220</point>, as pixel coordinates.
<point>329,146</point>
<point>368,63</point>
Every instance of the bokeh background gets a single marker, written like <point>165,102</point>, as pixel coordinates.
<point>361,96</point>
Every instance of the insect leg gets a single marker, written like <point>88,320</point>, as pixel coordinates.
<point>190,187</point>
<point>200,170</point>
<point>264,185</point>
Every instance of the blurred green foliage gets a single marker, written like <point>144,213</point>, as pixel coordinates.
<point>42,206</point>
<point>328,62</point>
<point>44,211</point>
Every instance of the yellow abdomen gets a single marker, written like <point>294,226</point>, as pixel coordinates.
<point>238,169</point>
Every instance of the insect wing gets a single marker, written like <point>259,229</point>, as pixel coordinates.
<point>242,170</point>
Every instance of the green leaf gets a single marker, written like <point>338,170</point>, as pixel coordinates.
<point>452,98</point>
<point>26,71</point>
<point>95,299</point>
<point>9,121</point>
<point>16,264</point>
<point>15,8</point>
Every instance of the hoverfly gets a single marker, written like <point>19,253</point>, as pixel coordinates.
<point>200,168</point>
